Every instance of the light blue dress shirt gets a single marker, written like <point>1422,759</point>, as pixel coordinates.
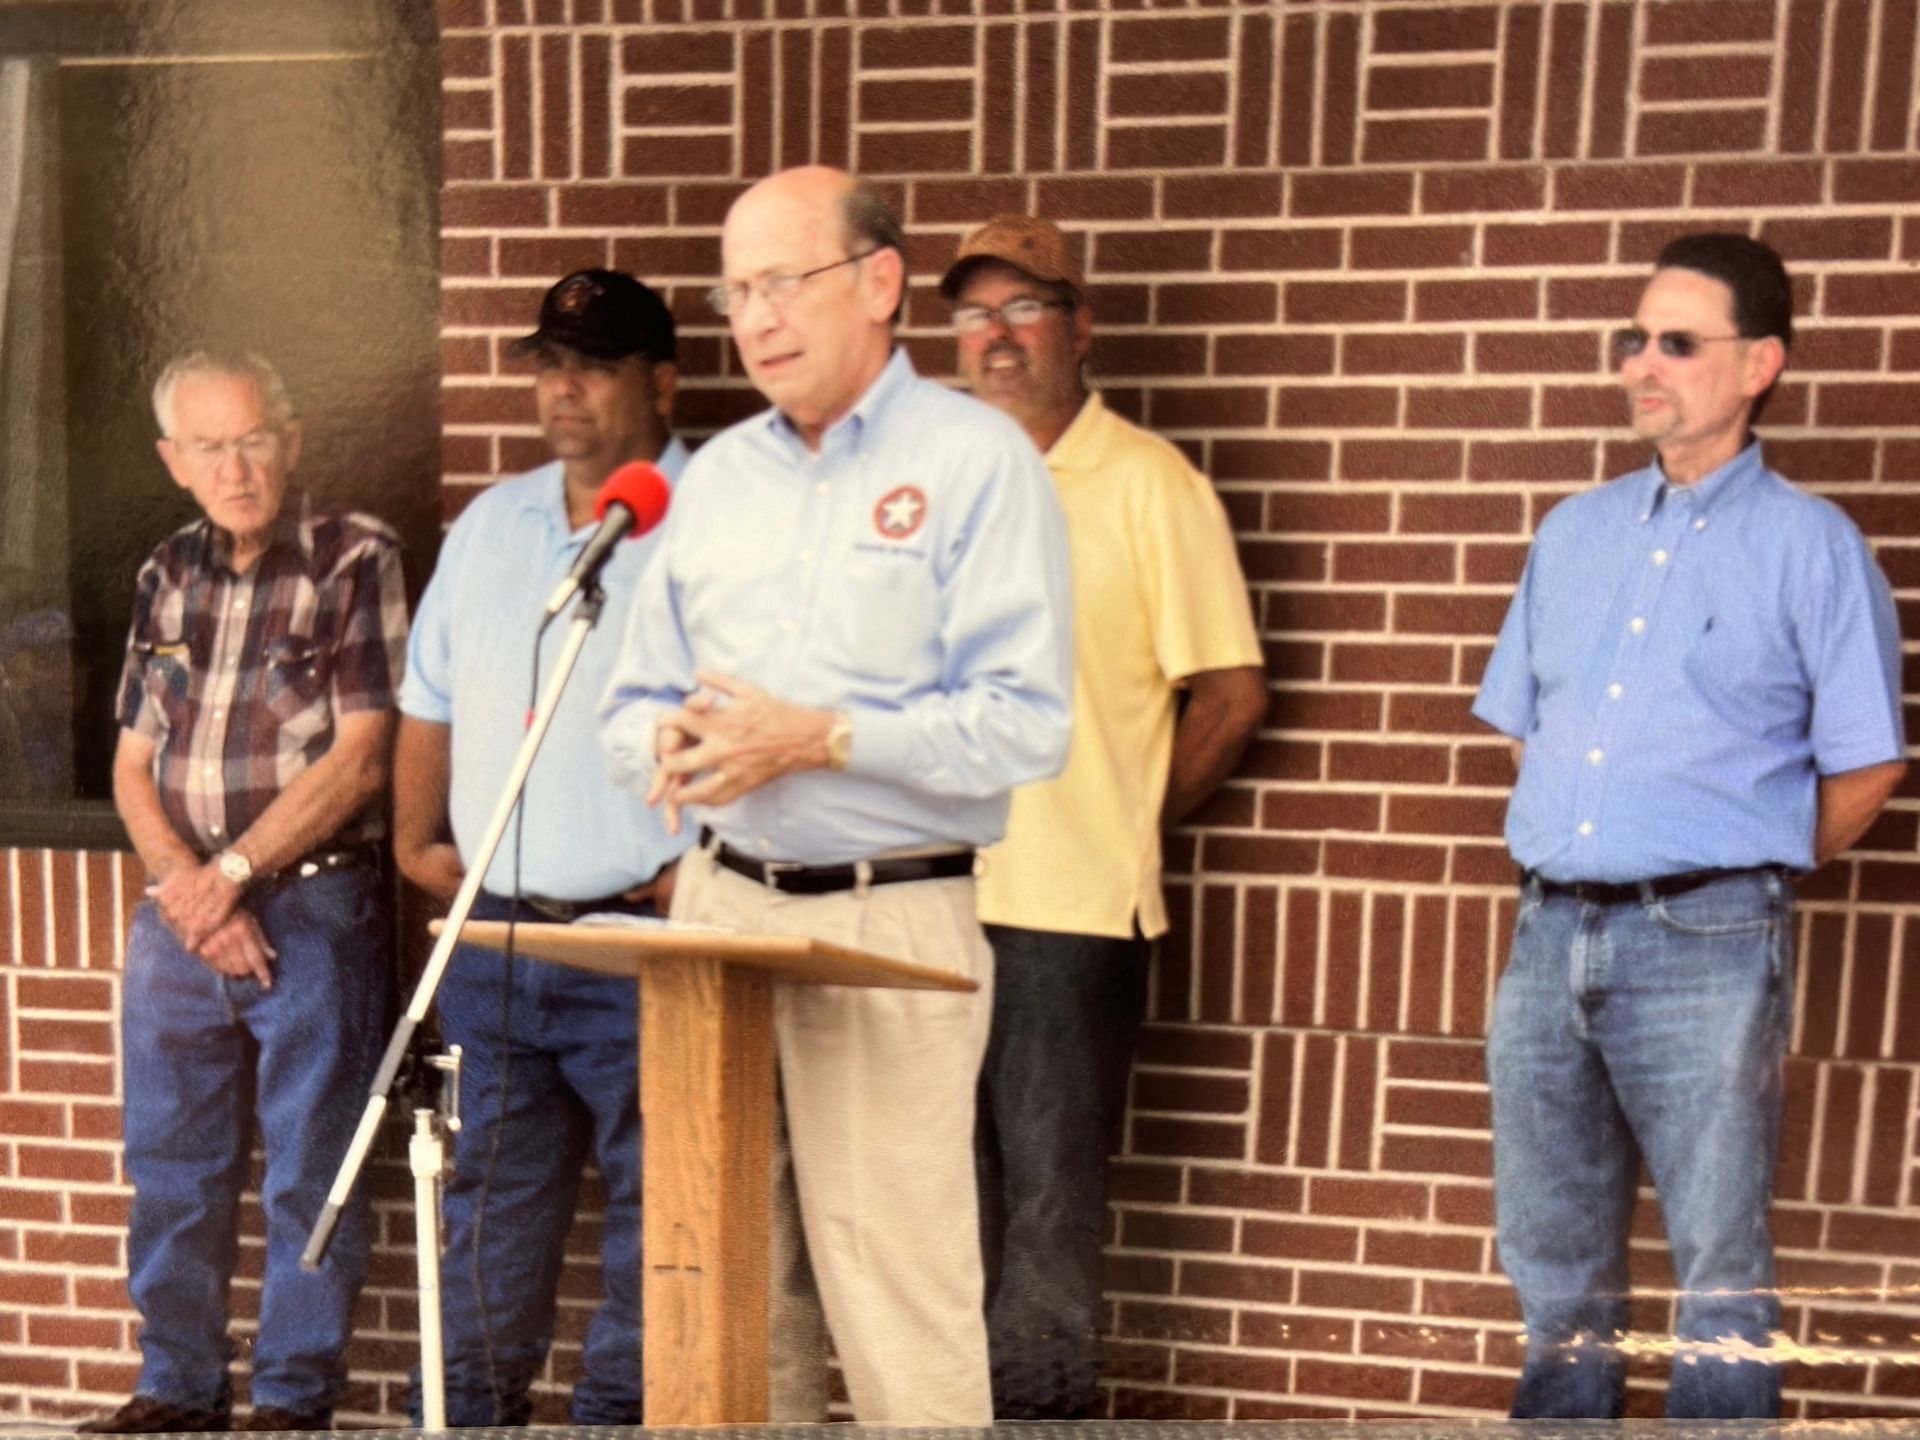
<point>470,665</point>
<point>1684,663</point>
<point>913,573</point>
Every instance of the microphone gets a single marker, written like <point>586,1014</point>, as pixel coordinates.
<point>631,503</point>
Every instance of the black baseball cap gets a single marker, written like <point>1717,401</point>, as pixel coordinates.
<point>603,313</point>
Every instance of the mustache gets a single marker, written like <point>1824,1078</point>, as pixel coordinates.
<point>1004,347</point>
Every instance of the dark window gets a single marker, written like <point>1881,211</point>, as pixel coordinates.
<point>175,177</point>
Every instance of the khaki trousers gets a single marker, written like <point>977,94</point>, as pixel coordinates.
<point>875,1216</point>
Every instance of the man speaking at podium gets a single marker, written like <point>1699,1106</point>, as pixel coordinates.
<point>550,1066</point>
<point>853,643</point>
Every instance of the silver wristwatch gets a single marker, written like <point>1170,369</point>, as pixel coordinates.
<point>235,866</point>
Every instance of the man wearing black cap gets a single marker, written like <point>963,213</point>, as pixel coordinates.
<point>549,1068</point>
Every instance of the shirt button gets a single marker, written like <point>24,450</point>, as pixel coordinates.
<point>1636,625</point>
<point>765,843</point>
<point>1613,691</point>
<point>1586,827</point>
<point>1699,524</point>
<point>1659,557</point>
<point>1596,755</point>
<point>821,488</point>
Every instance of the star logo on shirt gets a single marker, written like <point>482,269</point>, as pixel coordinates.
<point>901,512</point>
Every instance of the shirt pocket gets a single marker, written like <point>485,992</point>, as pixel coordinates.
<point>297,680</point>
<point>1750,680</point>
<point>887,629</point>
<point>166,669</point>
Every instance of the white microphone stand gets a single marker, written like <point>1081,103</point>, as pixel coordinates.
<point>432,1368</point>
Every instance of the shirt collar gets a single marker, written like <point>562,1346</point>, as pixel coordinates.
<point>869,410</point>
<point>548,496</point>
<point>293,530</point>
<point>1710,491</point>
<point>1082,444</point>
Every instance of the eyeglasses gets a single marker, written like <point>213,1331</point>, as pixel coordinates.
<point>257,447</point>
<point>776,287</point>
<point>972,319</point>
<point>1674,344</point>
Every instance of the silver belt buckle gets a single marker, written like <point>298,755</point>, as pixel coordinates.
<point>771,870</point>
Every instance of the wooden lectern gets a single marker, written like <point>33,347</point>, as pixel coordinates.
<point>706,1105</point>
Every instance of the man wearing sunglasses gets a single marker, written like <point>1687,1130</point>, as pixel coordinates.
<point>1072,896</point>
<point>854,642</point>
<point>1701,674</point>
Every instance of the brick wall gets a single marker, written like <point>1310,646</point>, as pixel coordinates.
<point>1359,259</point>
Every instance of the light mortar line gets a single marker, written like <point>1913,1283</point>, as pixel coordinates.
<point>1863,1134</point>
<point>50,930</point>
<point>1322,959</point>
<point>1776,82</point>
<point>1896,974</point>
<point>1589,55</point>
<point>1823,90</point>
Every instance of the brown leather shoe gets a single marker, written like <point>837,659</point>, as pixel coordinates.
<point>272,1417</point>
<point>146,1415</point>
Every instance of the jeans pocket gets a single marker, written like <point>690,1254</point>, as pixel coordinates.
<point>1740,908</point>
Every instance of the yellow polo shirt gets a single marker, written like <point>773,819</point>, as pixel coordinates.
<point>1157,596</point>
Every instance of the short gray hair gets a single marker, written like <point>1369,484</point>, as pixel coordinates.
<point>871,225</point>
<point>275,403</point>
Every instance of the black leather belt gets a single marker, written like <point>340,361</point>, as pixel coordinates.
<point>316,862</point>
<point>792,878</point>
<point>565,912</point>
<point>1611,892</point>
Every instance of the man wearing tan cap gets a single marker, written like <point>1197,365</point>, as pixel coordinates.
<point>1071,898</point>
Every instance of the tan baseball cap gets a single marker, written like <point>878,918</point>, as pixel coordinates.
<point>1025,242</point>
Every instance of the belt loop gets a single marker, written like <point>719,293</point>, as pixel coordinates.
<point>862,878</point>
<point>1775,885</point>
<point>1648,895</point>
<point>709,840</point>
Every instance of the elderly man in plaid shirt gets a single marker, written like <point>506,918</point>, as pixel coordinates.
<point>257,711</point>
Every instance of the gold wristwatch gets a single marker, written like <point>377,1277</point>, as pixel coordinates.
<point>840,741</point>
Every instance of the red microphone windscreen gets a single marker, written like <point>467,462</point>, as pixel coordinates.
<point>639,487</point>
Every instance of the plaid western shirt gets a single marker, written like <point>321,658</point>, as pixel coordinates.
<point>237,678</point>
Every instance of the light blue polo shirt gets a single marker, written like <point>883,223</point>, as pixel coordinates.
<point>913,573</point>
<point>470,665</point>
<point>1684,663</point>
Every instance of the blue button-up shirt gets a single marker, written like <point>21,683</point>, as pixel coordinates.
<point>913,573</point>
<point>470,665</point>
<point>1684,663</point>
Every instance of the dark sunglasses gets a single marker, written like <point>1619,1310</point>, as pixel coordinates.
<point>1674,344</point>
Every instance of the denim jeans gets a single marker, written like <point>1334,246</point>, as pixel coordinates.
<point>1053,1087</point>
<point>549,1073</point>
<point>1652,1030</point>
<point>200,1051</point>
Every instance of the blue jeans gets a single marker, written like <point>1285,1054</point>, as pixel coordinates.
<point>201,1050</point>
<point>1652,1030</point>
<point>550,1070</point>
<point>1053,1087</point>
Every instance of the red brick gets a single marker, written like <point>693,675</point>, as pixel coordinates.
<point>1228,1281</point>
<point>1750,183</point>
<point>1501,188</point>
<point>1236,195</point>
<point>1435,138</point>
<point>1425,29</point>
<point>1296,248</point>
<point>1546,243</point>
<point>1299,1240</point>
<point>1345,302</point>
<point>1363,1382</point>
<point>1396,354</point>
<point>1694,132</point>
<point>1235,303</point>
<point>1690,78</point>
<point>1374,192</point>
<point>1618,187</point>
<point>1410,247</point>
<point>1470,407</point>
<point>1849,237</point>
<point>1431,1344</point>
<point>1550,352</point>
<point>1338,406</point>
<point>1475,300</point>
<point>1710,22</point>
<point>1295,1330</point>
<point>1530,460</point>
<point>1429,87</point>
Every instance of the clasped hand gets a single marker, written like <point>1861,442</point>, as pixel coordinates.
<point>729,739</point>
<point>202,908</point>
